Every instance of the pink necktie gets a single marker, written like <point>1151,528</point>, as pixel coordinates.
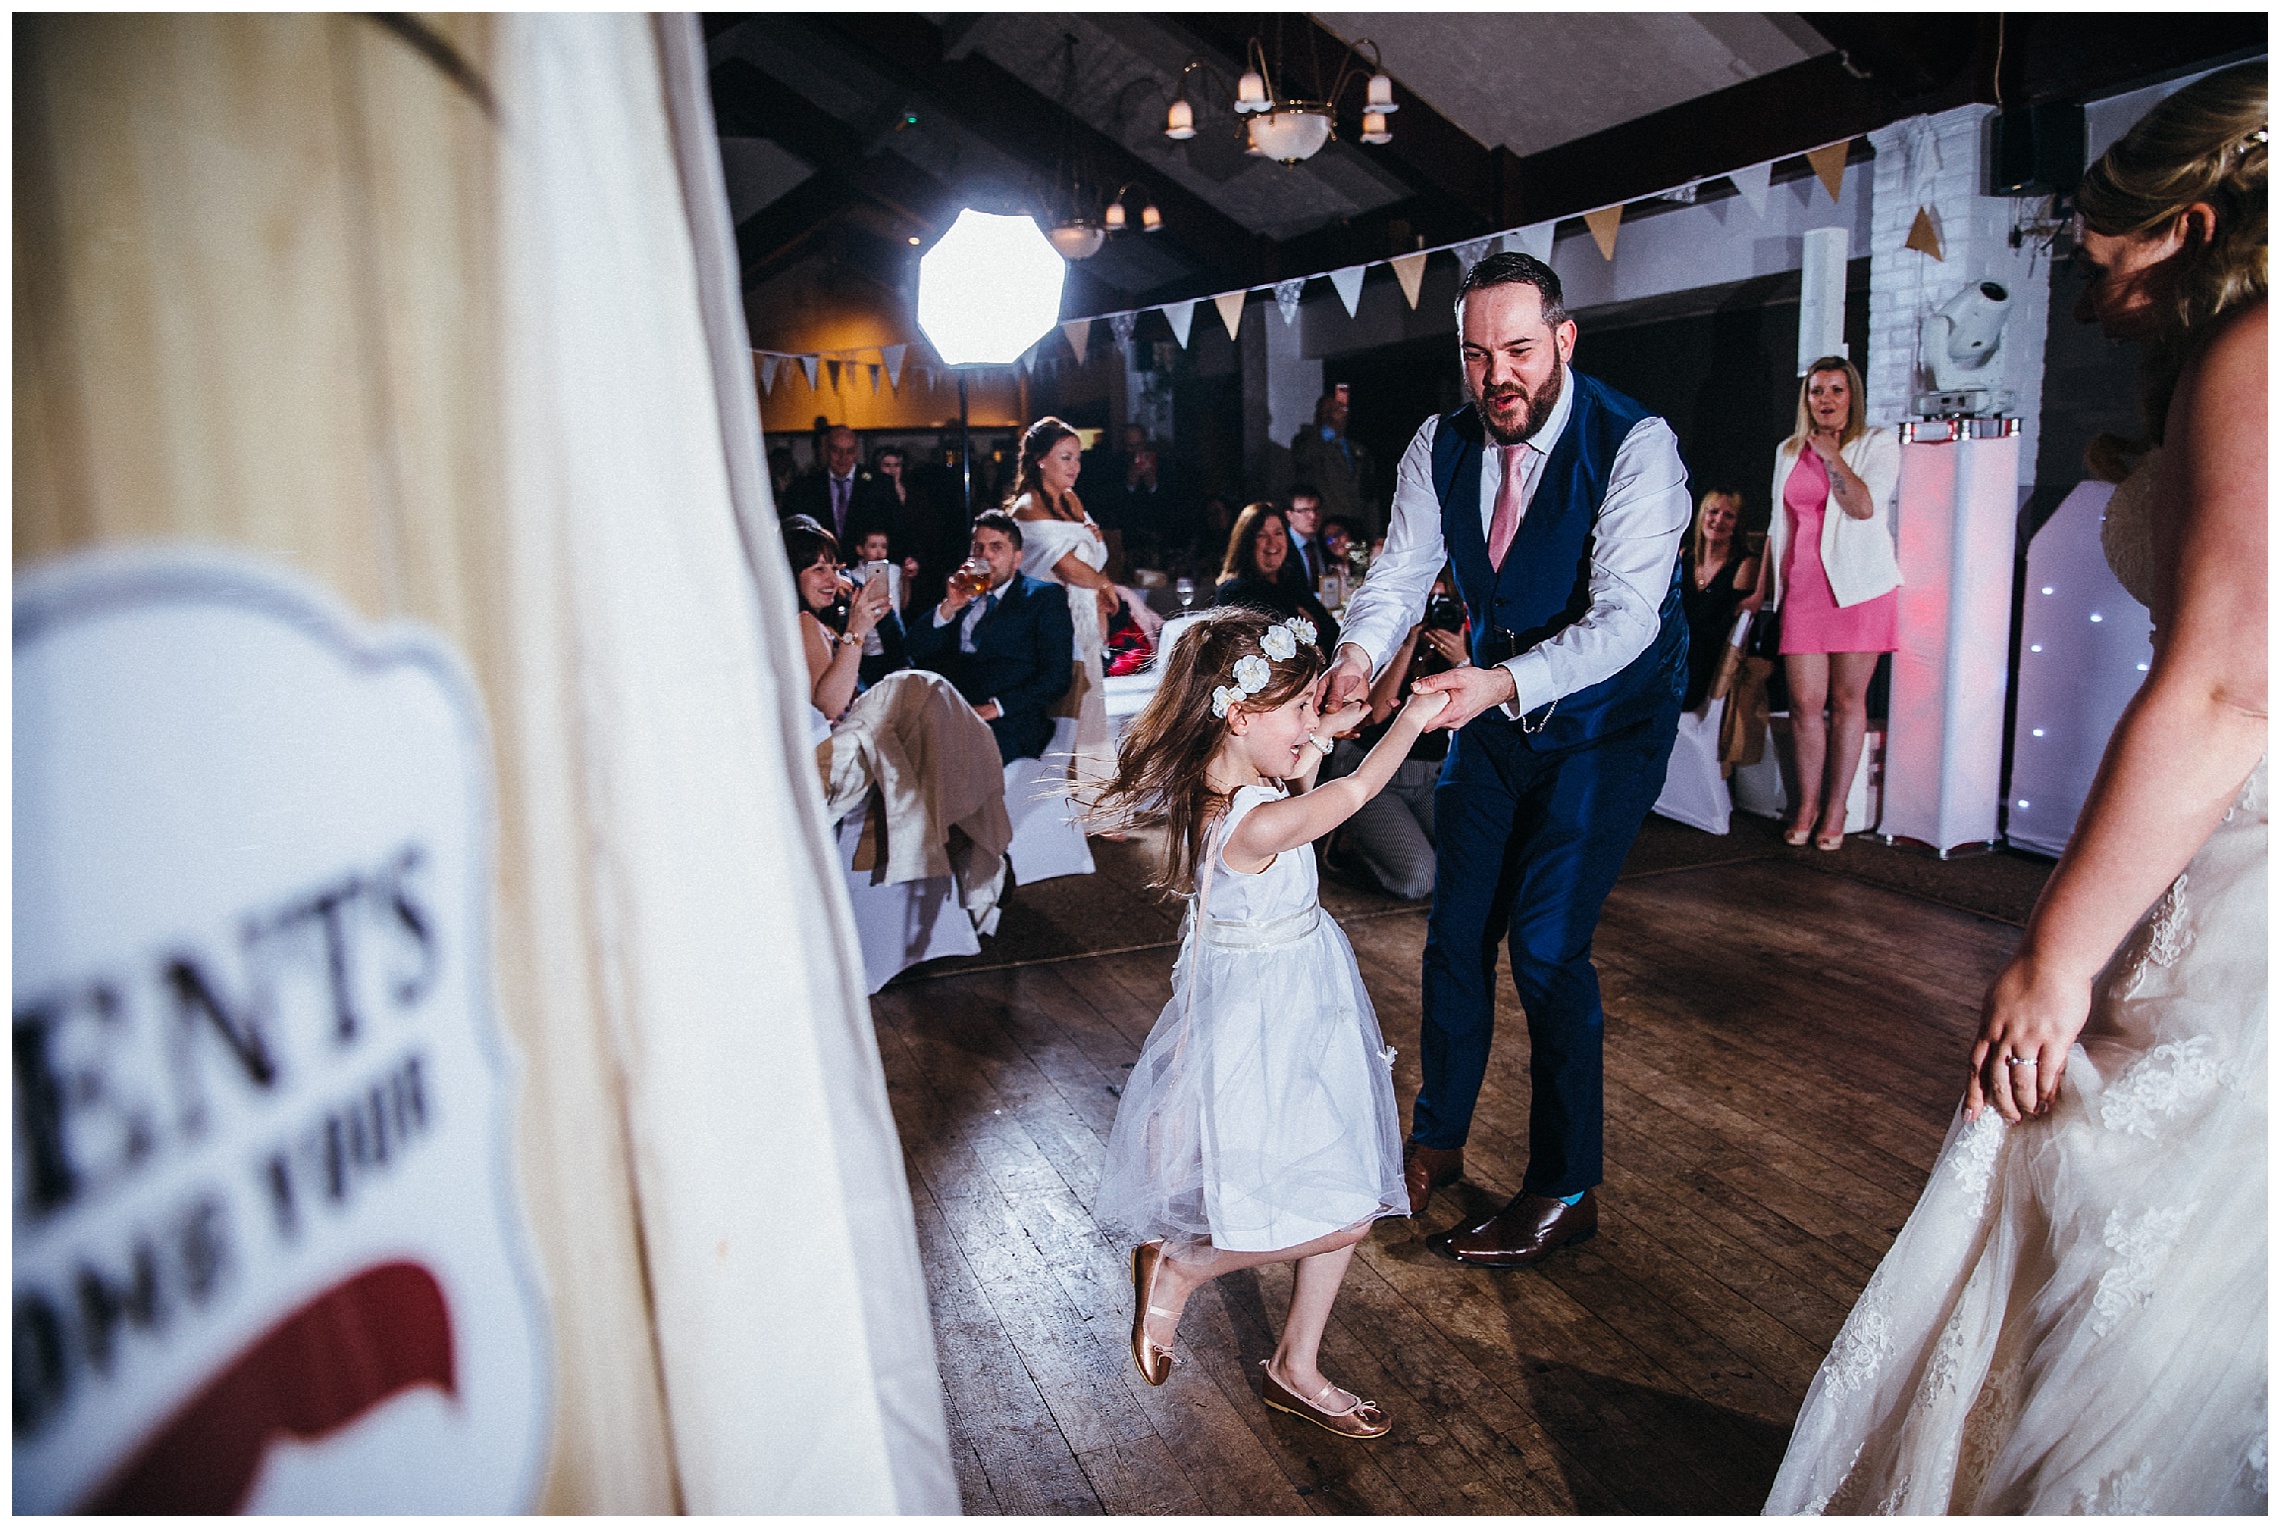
<point>1505,523</point>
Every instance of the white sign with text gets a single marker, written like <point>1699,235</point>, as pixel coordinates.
<point>269,1253</point>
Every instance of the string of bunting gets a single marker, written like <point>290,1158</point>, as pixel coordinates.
<point>1603,223</point>
<point>1752,184</point>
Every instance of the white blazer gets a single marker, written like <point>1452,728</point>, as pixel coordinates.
<point>1856,555</point>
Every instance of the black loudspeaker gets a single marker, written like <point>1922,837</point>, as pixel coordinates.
<point>2036,151</point>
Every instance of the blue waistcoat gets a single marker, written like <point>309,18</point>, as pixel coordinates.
<point>1545,583</point>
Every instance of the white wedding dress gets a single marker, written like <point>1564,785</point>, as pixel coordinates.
<point>1043,544</point>
<point>2073,1318</point>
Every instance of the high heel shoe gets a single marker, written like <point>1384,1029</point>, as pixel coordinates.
<point>1829,843</point>
<point>1796,836</point>
<point>1156,1364</point>
<point>1362,1419</point>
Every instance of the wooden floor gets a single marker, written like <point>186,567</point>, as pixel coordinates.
<point>1784,1049</point>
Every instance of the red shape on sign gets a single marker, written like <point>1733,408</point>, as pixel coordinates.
<point>375,1333</point>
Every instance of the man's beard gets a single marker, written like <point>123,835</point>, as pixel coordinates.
<point>1535,407</point>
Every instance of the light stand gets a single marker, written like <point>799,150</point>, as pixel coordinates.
<point>965,446</point>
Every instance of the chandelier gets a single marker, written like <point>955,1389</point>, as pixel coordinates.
<point>1076,221</point>
<point>1286,127</point>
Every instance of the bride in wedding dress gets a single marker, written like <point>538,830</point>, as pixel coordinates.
<point>2073,1318</point>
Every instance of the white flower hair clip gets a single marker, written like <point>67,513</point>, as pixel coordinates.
<point>1252,673</point>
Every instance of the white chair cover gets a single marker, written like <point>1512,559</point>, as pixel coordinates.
<point>901,923</point>
<point>1694,790</point>
<point>1048,840</point>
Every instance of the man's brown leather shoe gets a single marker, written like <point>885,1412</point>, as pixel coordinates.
<point>1426,1168</point>
<point>1526,1231</point>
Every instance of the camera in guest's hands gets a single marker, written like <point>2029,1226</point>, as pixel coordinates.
<point>1444,612</point>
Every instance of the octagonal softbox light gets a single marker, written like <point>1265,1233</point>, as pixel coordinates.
<point>988,289</point>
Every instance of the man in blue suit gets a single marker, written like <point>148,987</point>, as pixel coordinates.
<point>1560,504</point>
<point>1010,651</point>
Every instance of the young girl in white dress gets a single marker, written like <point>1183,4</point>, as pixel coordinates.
<point>1259,1125</point>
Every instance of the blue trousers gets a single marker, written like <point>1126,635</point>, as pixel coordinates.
<point>1527,846</point>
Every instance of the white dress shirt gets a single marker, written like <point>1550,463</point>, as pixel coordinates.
<point>1635,543</point>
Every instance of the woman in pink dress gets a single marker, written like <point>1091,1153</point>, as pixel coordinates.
<point>1829,568</point>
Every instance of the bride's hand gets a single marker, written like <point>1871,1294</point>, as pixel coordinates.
<point>2033,1014</point>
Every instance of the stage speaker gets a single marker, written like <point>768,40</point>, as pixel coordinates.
<point>2036,150</point>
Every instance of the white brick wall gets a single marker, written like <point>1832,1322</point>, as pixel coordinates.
<point>1939,161</point>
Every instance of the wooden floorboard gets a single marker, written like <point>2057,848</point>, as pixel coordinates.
<point>1784,1054</point>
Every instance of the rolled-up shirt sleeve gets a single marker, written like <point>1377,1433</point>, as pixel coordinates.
<point>1634,546</point>
<point>1392,597</point>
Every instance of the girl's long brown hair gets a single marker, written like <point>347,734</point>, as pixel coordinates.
<point>1163,762</point>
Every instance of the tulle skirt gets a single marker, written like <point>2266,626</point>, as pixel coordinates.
<point>1261,1115</point>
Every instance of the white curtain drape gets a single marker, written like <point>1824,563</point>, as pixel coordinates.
<point>660,650</point>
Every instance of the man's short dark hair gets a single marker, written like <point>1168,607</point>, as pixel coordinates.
<point>998,520</point>
<point>1511,268</point>
<point>1303,491</point>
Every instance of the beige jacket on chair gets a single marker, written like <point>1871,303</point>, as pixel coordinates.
<point>1856,555</point>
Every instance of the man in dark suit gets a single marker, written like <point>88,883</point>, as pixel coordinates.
<point>1308,559</point>
<point>1010,651</point>
<point>842,498</point>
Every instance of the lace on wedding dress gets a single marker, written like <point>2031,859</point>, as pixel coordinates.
<point>2073,1319</point>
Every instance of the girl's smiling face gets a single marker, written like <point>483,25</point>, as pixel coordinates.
<point>1273,741</point>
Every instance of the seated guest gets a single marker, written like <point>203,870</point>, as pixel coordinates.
<point>1721,579</point>
<point>1391,837</point>
<point>1252,575</point>
<point>1006,647</point>
<point>1307,560</point>
<point>838,619</point>
<point>1339,539</point>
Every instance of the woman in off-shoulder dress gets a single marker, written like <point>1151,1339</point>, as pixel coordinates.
<point>2074,1317</point>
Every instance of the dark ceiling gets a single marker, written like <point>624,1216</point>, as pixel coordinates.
<point>850,140</point>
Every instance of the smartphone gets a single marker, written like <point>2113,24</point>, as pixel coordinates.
<point>878,568</point>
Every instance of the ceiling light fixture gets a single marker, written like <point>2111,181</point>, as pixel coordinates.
<point>1074,218</point>
<point>1292,128</point>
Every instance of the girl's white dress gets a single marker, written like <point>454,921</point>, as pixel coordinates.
<point>1260,1114</point>
<point>2073,1319</point>
<point>1043,544</point>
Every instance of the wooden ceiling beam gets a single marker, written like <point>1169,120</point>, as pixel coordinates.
<point>1005,111</point>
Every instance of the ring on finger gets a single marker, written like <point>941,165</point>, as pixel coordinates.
<point>2018,1061</point>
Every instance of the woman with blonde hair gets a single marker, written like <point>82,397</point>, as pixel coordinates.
<point>1829,568</point>
<point>2074,1318</point>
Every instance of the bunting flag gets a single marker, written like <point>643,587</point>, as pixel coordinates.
<point>833,368</point>
<point>1924,234</point>
<point>1287,294</point>
<point>1349,285</point>
<point>1180,315</point>
<point>1409,270</point>
<point>1079,332</point>
<point>1535,241</point>
<point>1230,306</point>
<point>810,364</point>
<point>1829,164</point>
<point>1604,225</point>
<point>768,365</point>
<point>1753,183</point>
<point>1120,325</point>
<point>873,368</point>
<point>893,356</point>
<point>1472,252</point>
